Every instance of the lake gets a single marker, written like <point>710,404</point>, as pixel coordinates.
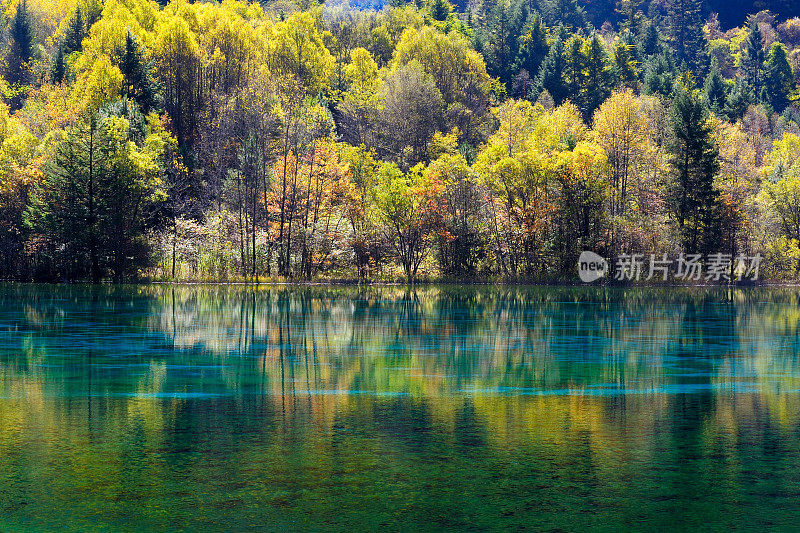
<point>345,408</point>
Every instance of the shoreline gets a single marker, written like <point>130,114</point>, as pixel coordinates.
<point>422,283</point>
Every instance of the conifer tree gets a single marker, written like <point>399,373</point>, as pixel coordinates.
<point>574,69</point>
<point>752,61</point>
<point>533,47</point>
<point>625,62</point>
<point>693,197</point>
<point>597,76</point>
<point>551,74</point>
<point>660,74</point>
<point>137,71</point>
<point>650,42</point>
<point>58,67</point>
<point>73,37</point>
<point>20,50</point>
<point>686,33</point>
<point>778,79</point>
<point>737,101</point>
<point>714,90</point>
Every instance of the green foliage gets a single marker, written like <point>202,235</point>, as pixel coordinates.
<point>778,78</point>
<point>20,51</point>
<point>137,71</point>
<point>693,198</point>
<point>88,213</point>
<point>714,91</point>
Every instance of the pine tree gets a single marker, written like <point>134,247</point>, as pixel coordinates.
<point>551,74</point>
<point>440,9</point>
<point>566,12</point>
<point>650,43</point>
<point>58,68</point>
<point>686,33</point>
<point>633,17</point>
<point>598,76</point>
<point>625,62</point>
<point>778,79</point>
<point>20,50</point>
<point>574,69</point>
<point>714,90</point>
<point>533,47</point>
<point>752,61</point>
<point>737,101</point>
<point>74,34</point>
<point>137,71</point>
<point>693,197</point>
<point>660,74</point>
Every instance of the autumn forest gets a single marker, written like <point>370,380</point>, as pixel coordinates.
<point>475,141</point>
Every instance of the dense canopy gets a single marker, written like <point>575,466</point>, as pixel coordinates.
<point>470,141</point>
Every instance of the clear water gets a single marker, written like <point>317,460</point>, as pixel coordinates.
<point>214,408</point>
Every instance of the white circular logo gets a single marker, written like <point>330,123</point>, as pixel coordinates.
<point>591,267</point>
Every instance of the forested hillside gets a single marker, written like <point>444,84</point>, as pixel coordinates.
<point>467,141</point>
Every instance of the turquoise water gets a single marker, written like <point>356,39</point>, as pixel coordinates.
<point>225,408</point>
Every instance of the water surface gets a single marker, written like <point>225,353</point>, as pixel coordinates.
<point>233,408</point>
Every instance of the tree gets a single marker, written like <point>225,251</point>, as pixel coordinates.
<point>295,49</point>
<point>693,198</point>
<point>137,71</point>
<point>622,131</point>
<point>58,68</point>
<point>20,51</point>
<point>778,78</point>
<point>686,33</point>
<point>660,74</point>
<point>575,69</point>
<point>440,9</point>
<point>598,76</point>
<point>752,59</point>
<point>458,72</point>
<point>737,101</point>
<point>551,74</point>
<point>627,67</point>
<point>411,111</point>
<point>75,32</point>
<point>359,101</point>
<point>91,207</point>
<point>179,68</point>
<point>407,203</point>
<point>534,46</point>
<point>714,91</point>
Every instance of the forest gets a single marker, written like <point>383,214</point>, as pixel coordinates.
<point>371,140</point>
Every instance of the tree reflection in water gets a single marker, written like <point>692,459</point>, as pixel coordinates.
<point>439,407</point>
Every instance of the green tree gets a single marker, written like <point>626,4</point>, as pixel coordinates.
<point>714,91</point>
<point>778,78</point>
<point>660,74</point>
<point>407,204</point>
<point>440,9</point>
<point>551,74</point>
<point>20,48</point>
<point>737,101</point>
<point>575,69</point>
<point>625,63</point>
<point>685,27</point>
<point>137,70</point>
<point>598,76</point>
<point>752,59</point>
<point>533,47</point>
<point>58,67</point>
<point>693,197</point>
<point>91,207</point>
<point>75,32</point>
